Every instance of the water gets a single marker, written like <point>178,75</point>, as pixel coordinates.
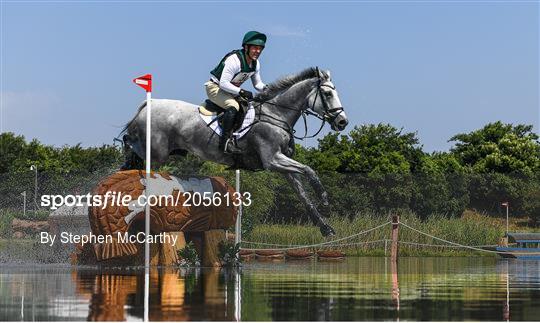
<point>357,289</point>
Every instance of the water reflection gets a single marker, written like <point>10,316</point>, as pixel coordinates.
<point>415,289</point>
<point>395,284</point>
<point>61,293</point>
<point>506,306</point>
<point>357,289</point>
<point>175,295</point>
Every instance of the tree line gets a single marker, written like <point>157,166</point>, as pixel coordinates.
<point>374,168</point>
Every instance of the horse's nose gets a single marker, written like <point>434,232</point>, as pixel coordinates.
<point>342,123</point>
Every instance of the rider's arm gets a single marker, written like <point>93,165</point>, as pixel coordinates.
<point>232,66</point>
<point>256,79</point>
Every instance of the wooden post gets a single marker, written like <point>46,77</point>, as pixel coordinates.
<point>155,249</point>
<point>395,231</point>
<point>212,238</point>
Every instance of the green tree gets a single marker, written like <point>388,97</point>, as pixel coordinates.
<point>378,149</point>
<point>368,169</point>
<point>505,161</point>
<point>12,147</point>
<point>440,186</point>
<point>498,147</point>
<point>60,170</point>
<point>17,156</point>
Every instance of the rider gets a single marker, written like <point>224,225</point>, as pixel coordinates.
<point>234,69</point>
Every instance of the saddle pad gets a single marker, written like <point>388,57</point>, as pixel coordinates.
<point>250,116</point>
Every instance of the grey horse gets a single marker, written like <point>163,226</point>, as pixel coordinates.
<point>177,128</point>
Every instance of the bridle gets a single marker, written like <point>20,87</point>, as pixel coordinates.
<point>330,114</point>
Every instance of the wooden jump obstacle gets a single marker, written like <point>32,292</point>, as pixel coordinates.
<point>203,225</point>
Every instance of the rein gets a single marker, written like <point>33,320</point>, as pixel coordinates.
<point>329,116</point>
<point>304,113</point>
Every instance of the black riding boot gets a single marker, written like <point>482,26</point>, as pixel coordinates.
<point>225,143</point>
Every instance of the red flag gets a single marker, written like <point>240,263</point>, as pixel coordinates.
<point>145,82</point>
<point>504,204</point>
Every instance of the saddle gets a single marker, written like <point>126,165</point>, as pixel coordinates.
<point>209,108</point>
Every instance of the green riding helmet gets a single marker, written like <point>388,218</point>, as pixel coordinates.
<point>254,38</point>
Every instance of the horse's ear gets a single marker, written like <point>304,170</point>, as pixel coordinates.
<point>318,71</point>
<point>328,76</point>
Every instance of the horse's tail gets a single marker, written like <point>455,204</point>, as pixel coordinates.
<point>129,140</point>
<point>128,125</point>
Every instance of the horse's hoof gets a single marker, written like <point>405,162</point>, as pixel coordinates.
<point>327,231</point>
<point>324,198</point>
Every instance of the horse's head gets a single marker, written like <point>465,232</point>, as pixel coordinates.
<point>324,101</point>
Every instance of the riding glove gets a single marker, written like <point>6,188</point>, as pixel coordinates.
<point>246,94</point>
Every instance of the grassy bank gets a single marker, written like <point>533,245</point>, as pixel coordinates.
<point>472,229</point>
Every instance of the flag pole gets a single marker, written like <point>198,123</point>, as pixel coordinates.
<point>147,207</point>
<point>145,82</point>
<point>237,240</point>
<point>238,224</point>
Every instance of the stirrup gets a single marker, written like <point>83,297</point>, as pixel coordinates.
<point>231,148</point>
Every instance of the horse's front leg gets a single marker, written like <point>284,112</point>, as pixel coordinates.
<point>284,164</point>
<point>291,168</point>
<point>314,214</point>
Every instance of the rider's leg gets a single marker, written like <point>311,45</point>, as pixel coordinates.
<point>225,143</point>
<point>219,97</point>
<point>231,106</point>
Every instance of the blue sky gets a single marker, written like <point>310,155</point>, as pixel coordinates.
<point>438,68</point>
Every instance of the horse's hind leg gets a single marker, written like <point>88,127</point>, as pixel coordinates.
<point>132,160</point>
<point>314,214</point>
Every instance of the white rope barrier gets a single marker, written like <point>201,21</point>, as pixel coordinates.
<point>331,245</point>
<point>457,244</point>
<point>268,244</point>
<point>333,242</point>
<point>322,243</point>
<point>438,245</point>
<point>358,243</point>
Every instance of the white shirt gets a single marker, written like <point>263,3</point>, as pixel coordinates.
<point>232,77</point>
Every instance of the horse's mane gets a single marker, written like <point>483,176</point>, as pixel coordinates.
<point>286,82</point>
